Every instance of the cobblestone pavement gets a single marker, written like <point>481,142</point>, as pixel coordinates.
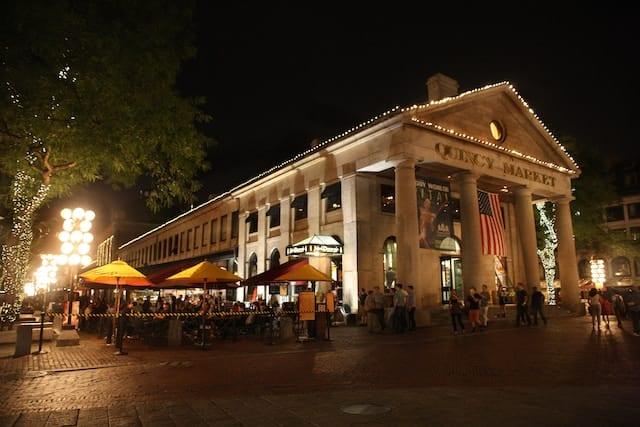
<point>556,375</point>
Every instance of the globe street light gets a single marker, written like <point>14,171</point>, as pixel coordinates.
<point>75,239</point>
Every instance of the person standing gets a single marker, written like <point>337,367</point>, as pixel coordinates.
<point>378,299</point>
<point>362,313</point>
<point>537,304</point>
<point>522,300</point>
<point>372,315</point>
<point>455,309</point>
<point>400,308</point>
<point>473,301</point>
<point>502,300</point>
<point>595,309</point>
<point>411,307</point>
<point>618,308</point>
<point>484,305</point>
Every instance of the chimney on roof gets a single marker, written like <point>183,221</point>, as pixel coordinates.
<point>440,86</point>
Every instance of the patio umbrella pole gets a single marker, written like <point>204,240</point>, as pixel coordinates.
<point>204,332</point>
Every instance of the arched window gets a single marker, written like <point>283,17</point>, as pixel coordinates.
<point>253,265</point>
<point>390,261</point>
<point>274,259</point>
<point>584,269</point>
<point>621,267</point>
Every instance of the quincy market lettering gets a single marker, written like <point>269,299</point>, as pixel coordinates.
<point>448,152</point>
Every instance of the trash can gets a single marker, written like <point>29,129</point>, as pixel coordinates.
<point>23,338</point>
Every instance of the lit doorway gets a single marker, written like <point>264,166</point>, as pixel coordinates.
<point>450,277</point>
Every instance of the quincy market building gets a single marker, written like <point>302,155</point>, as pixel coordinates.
<point>392,200</point>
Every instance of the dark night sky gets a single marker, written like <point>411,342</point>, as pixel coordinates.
<point>275,77</point>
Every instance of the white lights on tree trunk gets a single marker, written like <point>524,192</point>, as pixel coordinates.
<point>548,253</point>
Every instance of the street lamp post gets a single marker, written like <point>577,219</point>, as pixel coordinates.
<point>76,238</point>
<point>45,275</point>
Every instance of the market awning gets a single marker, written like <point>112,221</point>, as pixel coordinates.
<point>270,276</point>
<point>316,245</point>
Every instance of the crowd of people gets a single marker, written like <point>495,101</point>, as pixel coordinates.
<point>605,303</point>
<point>394,308</point>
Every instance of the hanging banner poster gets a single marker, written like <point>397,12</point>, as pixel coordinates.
<point>307,305</point>
<point>435,220</point>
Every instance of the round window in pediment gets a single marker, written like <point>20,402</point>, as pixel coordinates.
<point>497,131</point>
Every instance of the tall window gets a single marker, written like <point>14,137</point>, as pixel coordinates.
<point>175,244</point>
<point>390,261</point>
<point>252,222</point>
<point>299,206</point>
<point>274,259</point>
<point>234,224</point>
<point>252,268</point>
<point>273,216</point>
<point>195,236</point>
<point>333,196</point>
<point>223,228</point>
<point>203,239</point>
<point>584,269</point>
<point>621,267</point>
<point>189,240</point>
<point>164,248</point>
<point>213,237</point>
<point>387,198</point>
<point>615,213</point>
<point>634,210</point>
<point>181,241</point>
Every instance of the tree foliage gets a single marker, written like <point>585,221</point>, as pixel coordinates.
<point>88,93</point>
<point>593,191</point>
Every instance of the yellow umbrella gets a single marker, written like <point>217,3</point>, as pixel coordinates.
<point>203,273</point>
<point>117,273</point>
<point>303,273</point>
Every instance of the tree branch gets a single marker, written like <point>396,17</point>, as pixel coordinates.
<point>63,166</point>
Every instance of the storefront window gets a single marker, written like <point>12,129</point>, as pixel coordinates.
<point>387,198</point>
<point>390,260</point>
<point>615,213</point>
<point>621,267</point>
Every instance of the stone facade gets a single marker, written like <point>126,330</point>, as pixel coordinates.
<point>449,140</point>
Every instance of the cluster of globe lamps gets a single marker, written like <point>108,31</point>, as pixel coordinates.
<point>75,237</point>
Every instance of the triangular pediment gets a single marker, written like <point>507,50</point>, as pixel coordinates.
<point>523,132</point>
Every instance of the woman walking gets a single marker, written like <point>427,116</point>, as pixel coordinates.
<point>595,309</point>
<point>607,309</point>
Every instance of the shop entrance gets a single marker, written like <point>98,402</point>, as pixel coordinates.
<point>450,277</point>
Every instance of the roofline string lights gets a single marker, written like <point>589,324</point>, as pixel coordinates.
<point>387,114</point>
<point>491,86</point>
<point>492,145</point>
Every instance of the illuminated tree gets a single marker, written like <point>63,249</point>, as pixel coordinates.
<point>88,93</point>
<point>547,253</point>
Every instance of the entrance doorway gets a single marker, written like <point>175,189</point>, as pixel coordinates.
<point>450,277</point>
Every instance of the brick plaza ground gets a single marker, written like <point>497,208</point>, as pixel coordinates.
<point>556,375</point>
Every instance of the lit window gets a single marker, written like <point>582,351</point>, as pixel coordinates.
<point>388,198</point>
<point>333,197</point>
<point>497,130</point>
<point>299,205</point>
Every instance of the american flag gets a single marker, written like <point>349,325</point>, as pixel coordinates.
<point>491,224</point>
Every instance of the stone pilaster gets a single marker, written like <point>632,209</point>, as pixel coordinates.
<point>570,293</point>
<point>407,222</point>
<point>525,223</point>
<point>350,241</point>
<point>261,252</point>
<point>472,271</point>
